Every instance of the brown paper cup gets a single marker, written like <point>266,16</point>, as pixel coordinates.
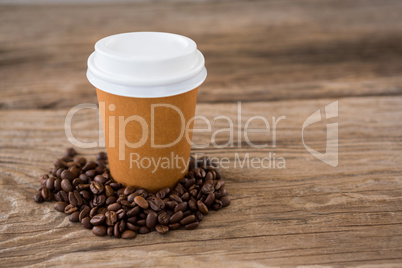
<point>141,157</point>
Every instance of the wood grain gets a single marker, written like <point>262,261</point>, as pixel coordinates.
<point>306,214</point>
<point>255,50</point>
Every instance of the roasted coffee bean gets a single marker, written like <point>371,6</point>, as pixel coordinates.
<point>144,230</point>
<point>99,230</point>
<point>86,195</point>
<point>156,203</point>
<point>75,198</point>
<point>181,207</point>
<point>142,193</point>
<point>142,222</point>
<point>74,217</point>
<point>96,187</point>
<point>50,183</point>
<point>71,152</point>
<point>132,227</point>
<point>116,230</point>
<point>171,204</point>
<point>38,198</point>
<point>122,226</point>
<point>185,196</point>
<point>225,201</point>
<point>99,169</point>
<point>114,207</point>
<point>129,190</point>
<point>133,212</point>
<point>176,198</point>
<point>202,207</point>
<point>93,212</point>
<point>174,226</point>
<point>209,200</point>
<point>81,161</point>
<point>109,190</point>
<point>187,213</point>
<point>66,185</point>
<point>111,218</point>
<point>63,196</point>
<point>131,197</point>
<point>59,164</point>
<point>179,189</point>
<point>189,183</point>
<point>176,217</point>
<point>132,220</point>
<point>140,201</point>
<point>84,213</point>
<point>99,200</point>
<point>90,173</point>
<point>163,218</point>
<point>207,188</point>
<point>100,179</point>
<point>57,197</point>
<point>109,230</point>
<point>88,166</point>
<point>60,206</point>
<point>152,219</point>
<point>162,229</point>
<point>84,178</point>
<point>102,210</point>
<point>82,186</point>
<point>192,204</point>
<point>121,214</point>
<point>128,234</point>
<point>101,156</point>
<point>217,205</point>
<point>70,209</point>
<point>219,184</point>
<point>98,219</point>
<point>192,226</point>
<point>120,192</point>
<point>187,220</point>
<point>163,193</point>
<point>57,184</point>
<point>76,182</point>
<point>124,203</point>
<point>47,195</point>
<point>86,222</point>
<point>116,186</point>
<point>68,175</point>
<point>199,216</point>
<point>110,200</point>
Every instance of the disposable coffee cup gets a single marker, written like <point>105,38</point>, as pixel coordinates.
<point>147,84</point>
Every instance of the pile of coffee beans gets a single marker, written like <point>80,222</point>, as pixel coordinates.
<point>86,191</point>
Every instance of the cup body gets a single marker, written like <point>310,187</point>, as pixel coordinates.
<point>148,140</point>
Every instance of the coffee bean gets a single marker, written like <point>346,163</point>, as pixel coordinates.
<point>144,230</point>
<point>192,204</point>
<point>129,190</point>
<point>181,207</point>
<point>74,217</point>
<point>80,160</point>
<point>189,183</point>
<point>100,179</point>
<point>86,223</point>
<point>96,187</point>
<point>199,216</point>
<point>141,222</point>
<point>152,219</point>
<point>98,219</point>
<point>66,185</point>
<point>90,173</point>
<point>70,209</point>
<point>132,227</point>
<point>68,175</point>
<point>128,234</point>
<point>114,207</point>
<point>192,226</point>
<point>162,229</point>
<point>84,213</point>
<point>111,218</point>
<point>133,212</point>
<point>47,195</point>
<point>176,198</point>
<point>110,200</point>
<point>59,164</point>
<point>163,218</point>
<point>209,200</point>
<point>116,230</point>
<point>86,195</point>
<point>217,204</point>
<point>140,201</point>
<point>187,220</point>
<point>76,182</point>
<point>163,193</point>
<point>156,203</point>
<point>88,166</point>
<point>121,214</point>
<point>202,207</point>
<point>72,198</point>
<point>38,198</point>
<point>174,226</point>
<point>99,230</point>
<point>50,183</point>
<point>132,220</point>
<point>109,191</point>
<point>176,217</point>
<point>57,184</point>
<point>171,204</point>
<point>60,206</point>
<point>71,152</point>
<point>122,226</point>
<point>185,196</point>
<point>93,212</point>
<point>116,186</point>
<point>99,200</point>
<point>142,192</point>
<point>101,156</point>
<point>207,188</point>
<point>63,196</point>
<point>110,230</point>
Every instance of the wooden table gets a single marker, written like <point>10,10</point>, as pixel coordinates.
<point>287,58</point>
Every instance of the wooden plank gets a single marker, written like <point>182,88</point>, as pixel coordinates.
<point>255,50</point>
<point>309,213</point>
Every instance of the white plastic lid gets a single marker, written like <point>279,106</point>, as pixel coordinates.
<point>146,65</point>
